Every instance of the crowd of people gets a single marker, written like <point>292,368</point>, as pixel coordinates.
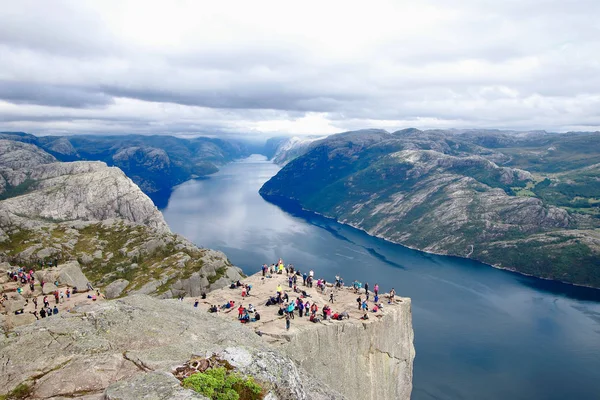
<point>26,287</point>
<point>303,305</point>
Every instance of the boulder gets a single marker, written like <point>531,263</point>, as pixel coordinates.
<point>22,319</point>
<point>14,304</point>
<point>70,274</point>
<point>151,246</point>
<point>86,259</point>
<point>49,288</point>
<point>115,289</point>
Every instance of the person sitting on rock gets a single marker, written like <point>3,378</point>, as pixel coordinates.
<point>365,316</point>
<point>245,318</point>
<point>256,316</point>
<point>203,296</point>
<point>196,302</point>
<point>344,314</point>
<point>43,313</point>
<point>55,310</point>
<point>251,308</point>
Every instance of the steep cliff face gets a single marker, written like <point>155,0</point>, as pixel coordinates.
<point>362,359</point>
<point>376,359</point>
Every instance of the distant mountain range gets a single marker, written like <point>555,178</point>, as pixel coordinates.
<point>155,163</point>
<point>526,201</point>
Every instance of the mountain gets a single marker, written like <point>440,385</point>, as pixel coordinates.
<point>86,211</point>
<point>155,163</point>
<point>281,150</point>
<point>525,201</point>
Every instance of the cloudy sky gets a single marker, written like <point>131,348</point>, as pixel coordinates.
<point>303,67</point>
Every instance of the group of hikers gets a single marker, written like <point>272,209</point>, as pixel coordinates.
<point>302,306</point>
<point>26,279</point>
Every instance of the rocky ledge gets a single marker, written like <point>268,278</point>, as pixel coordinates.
<point>129,349</point>
<point>375,355</point>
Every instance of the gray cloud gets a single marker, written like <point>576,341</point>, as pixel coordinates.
<point>187,68</point>
<point>51,95</point>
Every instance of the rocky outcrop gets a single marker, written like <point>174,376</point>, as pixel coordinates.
<point>87,191</point>
<point>87,211</point>
<point>128,348</point>
<point>376,358</point>
<point>362,359</point>
<point>68,274</point>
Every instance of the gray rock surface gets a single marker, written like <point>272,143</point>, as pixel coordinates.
<point>376,358</point>
<point>88,350</point>
<point>116,288</point>
<point>150,386</point>
<point>68,274</point>
<point>88,191</point>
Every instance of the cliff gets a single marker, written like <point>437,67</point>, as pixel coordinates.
<point>376,358</point>
<point>87,211</point>
<point>129,348</point>
<point>362,359</point>
<point>444,194</point>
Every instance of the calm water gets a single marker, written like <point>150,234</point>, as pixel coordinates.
<point>480,333</point>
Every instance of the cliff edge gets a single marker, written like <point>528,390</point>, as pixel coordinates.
<point>362,359</point>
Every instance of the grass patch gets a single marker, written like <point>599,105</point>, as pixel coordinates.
<point>23,391</point>
<point>221,384</point>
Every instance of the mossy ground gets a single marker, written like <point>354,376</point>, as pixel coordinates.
<point>122,256</point>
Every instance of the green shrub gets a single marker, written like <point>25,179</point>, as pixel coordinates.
<point>22,391</point>
<point>219,384</point>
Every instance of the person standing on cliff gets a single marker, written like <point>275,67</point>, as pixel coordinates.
<point>331,297</point>
<point>287,322</point>
<point>367,289</point>
<point>359,301</point>
<point>376,289</point>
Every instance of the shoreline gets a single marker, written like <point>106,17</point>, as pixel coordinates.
<point>294,204</point>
